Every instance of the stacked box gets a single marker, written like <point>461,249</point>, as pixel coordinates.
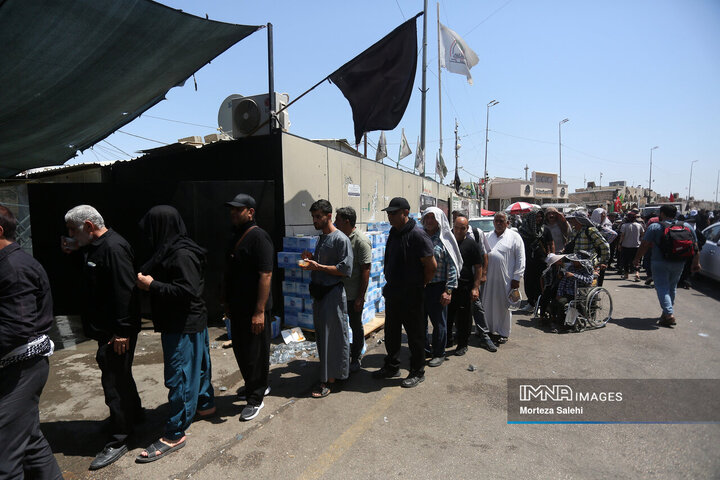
<point>296,285</point>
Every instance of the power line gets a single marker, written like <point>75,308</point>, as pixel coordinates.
<point>116,148</point>
<point>487,18</point>
<point>144,138</point>
<point>178,121</point>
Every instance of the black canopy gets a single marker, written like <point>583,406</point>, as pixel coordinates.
<point>74,71</point>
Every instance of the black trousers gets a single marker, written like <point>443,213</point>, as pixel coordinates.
<point>121,394</point>
<point>24,452</point>
<point>627,255</point>
<point>460,313</point>
<point>252,353</point>
<point>358,333</point>
<point>404,308</point>
<point>533,272</point>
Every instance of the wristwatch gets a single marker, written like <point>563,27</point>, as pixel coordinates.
<point>449,291</point>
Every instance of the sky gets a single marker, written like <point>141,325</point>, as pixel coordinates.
<point>629,76</point>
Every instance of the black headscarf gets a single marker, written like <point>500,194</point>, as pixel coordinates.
<point>164,228</point>
<point>531,228</point>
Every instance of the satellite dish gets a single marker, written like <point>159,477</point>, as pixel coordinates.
<point>246,116</point>
<point>225,114</point>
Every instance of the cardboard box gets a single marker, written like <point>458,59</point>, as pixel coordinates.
<point>305,320</point>
<point>293,304</point>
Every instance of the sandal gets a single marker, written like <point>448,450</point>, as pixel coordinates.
<point>207,413</point>
<point>322,390</point>
<point>502,340</point>
<point>158,446</point>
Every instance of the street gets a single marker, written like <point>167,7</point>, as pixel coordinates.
<point>454,425</point>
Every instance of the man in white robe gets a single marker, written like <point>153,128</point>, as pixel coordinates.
<point>506,265</point>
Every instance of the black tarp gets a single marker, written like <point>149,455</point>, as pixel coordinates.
<point>74,71</point>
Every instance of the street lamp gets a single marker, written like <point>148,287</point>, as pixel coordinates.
<point>487,125</point>
<point>650,181</point>
<point>560,144</point>
<point>690,184</point>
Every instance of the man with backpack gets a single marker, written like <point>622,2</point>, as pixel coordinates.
<point>672,244</point>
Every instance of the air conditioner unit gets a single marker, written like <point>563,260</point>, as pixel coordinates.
<point>248,113</point>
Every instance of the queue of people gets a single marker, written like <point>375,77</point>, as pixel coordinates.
<point>449,274</point>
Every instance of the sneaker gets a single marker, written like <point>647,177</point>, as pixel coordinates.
<point>355,366</point>
<point>436,361</point>
<point>251,411</point>
<point>413,379</point>
<point>648,281</point>
<point>460,351</point>
<point>241,395</point>
<point>386,372</point>
<point>488,344</point>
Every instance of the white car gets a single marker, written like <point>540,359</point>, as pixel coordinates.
<point>710,253</point>
<point>483,223</point>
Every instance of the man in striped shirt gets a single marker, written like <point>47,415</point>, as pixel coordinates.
<point>438,292</point>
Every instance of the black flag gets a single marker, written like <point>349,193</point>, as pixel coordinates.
<point>457,182</point>
<point>378,82</point>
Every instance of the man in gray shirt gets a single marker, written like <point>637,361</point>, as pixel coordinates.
<point>331,262</point>
<point>357,283</point>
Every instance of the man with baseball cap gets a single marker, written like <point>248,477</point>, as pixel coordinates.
<point>409,266</point>
<point>248,301</point>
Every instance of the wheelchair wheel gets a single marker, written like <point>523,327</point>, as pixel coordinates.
<point>598,307</point>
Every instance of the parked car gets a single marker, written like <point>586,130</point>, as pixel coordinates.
<point>483,223</point>
<point>710,253</point>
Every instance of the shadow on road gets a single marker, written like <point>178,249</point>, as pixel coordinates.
<point>706,286</point>
<point>633,323</point>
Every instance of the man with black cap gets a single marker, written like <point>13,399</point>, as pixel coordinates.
<point>248,301</point>
<point>409,266</point>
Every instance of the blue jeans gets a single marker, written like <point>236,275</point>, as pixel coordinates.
<point>666,276</point>
<point>438,317</point>
<point>187,377</point>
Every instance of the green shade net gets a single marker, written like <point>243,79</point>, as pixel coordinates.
<point>74,71</point>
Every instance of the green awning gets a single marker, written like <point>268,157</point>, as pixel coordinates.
<point>74,71</point>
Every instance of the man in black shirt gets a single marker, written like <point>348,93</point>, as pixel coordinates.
<point>25,319</point>
<point>109,317</point>
<point>409,266</point>
<point>468,290</point>
<point>248,301</point>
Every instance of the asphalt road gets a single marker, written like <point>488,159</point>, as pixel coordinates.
<point>454,425</point>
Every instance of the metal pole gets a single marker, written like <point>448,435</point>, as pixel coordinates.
<point>717,183</point>
<point>439,86</point>
<point>650,181</point>
<point>690,184</point>
<point>560,144</point>
<point>424,76</point>
<point>492,103</point>
<point>457,187</point>
<point>271,79</point>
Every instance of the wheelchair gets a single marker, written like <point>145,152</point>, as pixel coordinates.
<point>591,308</point>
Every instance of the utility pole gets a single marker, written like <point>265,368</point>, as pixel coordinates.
<point>560,144</point>
<point>650,180</point>
<point>486,179</point>
<point>424,76</point>
<point>457,148</point>
<point>690,184</point>
<point>717,183</point>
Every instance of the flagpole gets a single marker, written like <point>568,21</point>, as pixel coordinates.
<point>439,85</point>
<point>424,75</point>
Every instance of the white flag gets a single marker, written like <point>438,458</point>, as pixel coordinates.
<point>381,151</point>
<point>440,167</point>
<point>456,56</point>
<point>404,147</point>
<point>419,159</point>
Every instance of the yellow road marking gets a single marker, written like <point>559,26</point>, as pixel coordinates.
<point>343,443</point>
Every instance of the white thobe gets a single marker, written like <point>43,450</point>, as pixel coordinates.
<point>506,262</point>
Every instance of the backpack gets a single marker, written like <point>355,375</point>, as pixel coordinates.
<point>677,243</point>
